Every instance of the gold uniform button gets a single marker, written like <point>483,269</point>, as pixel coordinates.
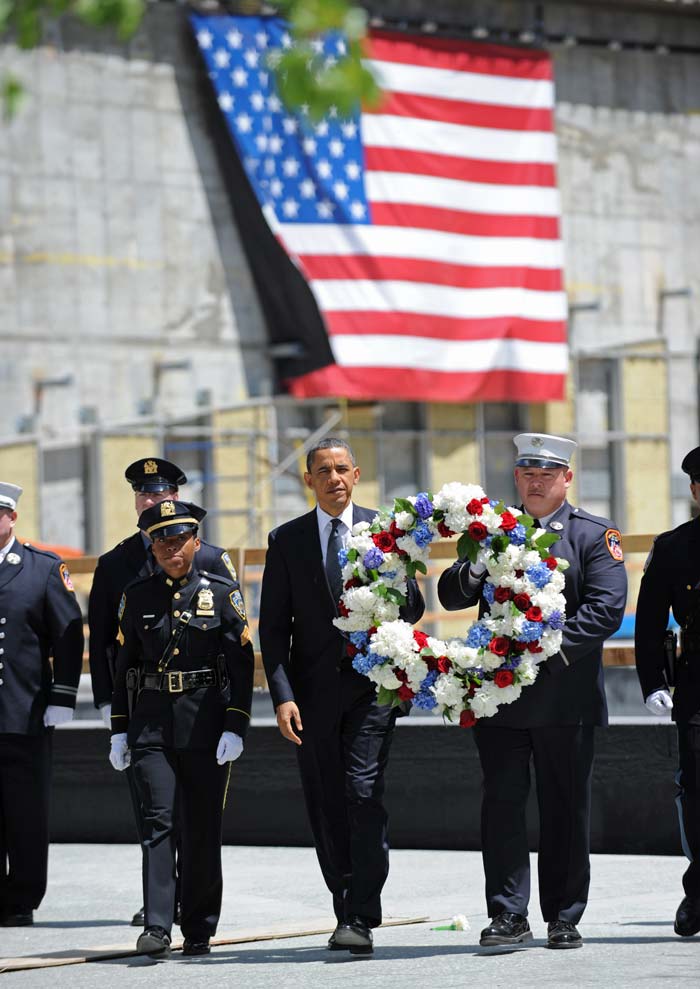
<point>176,595</point>
<point>176,652</point>
<point>176,614</point>
<point>204,624</point>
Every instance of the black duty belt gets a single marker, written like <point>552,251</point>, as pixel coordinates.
<point>175,681</point>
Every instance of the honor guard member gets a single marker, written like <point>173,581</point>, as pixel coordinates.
<point>553,721</point>
<point>152,480</point>
<point>672,581</point>
<point>41,656</point>
<point>181,706</point>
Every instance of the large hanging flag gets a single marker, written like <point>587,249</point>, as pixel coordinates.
<point>425,231</point>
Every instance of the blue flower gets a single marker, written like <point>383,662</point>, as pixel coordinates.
<point>531,631</point>
<point>517,535</point>
<point>429,679</point>
<point>423,505</point>
<point>422,535</point>
<point>373,559</point>
<point>364,663</point>
<point>488,592</point>
<point>556,621</point>
<point>424,700</point>
<point>359,639</point>
<point>478,636</point>
<point>342,557</point>
<point>539,574</point>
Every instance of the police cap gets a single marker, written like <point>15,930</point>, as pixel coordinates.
<point>691,464</point>
<point>153,474</point>
<point>543,450</point>
<point>170,518</point>
<point>9,495</point>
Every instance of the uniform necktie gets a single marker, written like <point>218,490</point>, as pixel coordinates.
<point>333,568</point>
<point>537,524</point>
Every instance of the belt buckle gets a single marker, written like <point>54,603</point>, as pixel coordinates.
<point>175,682</point>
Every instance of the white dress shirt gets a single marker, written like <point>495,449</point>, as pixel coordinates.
<point>325,526</point>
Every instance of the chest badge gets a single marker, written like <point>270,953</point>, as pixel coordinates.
<point>556,526</point>
<point>12,558</point>
<point>205,601</point>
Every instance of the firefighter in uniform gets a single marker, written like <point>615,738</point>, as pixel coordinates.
<point>672,581</point>
<point>152,480</point>
<point>39,619</point>
<point>180,709</point>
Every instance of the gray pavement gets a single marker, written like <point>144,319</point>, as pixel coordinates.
<point>93,890</point>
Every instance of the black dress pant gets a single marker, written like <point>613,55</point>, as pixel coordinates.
<point>342,771</point>
<point>563,760</point>
<point>688,803</point>
<point>25,781</point>
<point>182,794</point>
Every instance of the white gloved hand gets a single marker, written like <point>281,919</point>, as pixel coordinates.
<point>119,754</point>
<point>659,702</point>
<point>106,714</point>
<point>56,714</point>
<point>229,748</point>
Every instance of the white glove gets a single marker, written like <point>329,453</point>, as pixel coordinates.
<point>55,714</point>
<point>659,702</point>
<point>119,754</point>
<point>106,714</point>
<point>229,748</point>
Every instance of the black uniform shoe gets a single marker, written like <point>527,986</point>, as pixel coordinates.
<point>506,928</point>
<point>563,934</point>
<point>687,917</point>
<point>154,941</point>
<point>354,936</point>
<point>196,947</point>
<point>20,918</point>
<point>139,918</point>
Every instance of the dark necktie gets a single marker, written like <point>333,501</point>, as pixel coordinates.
<point>333,568</point>
<point>537,524</point>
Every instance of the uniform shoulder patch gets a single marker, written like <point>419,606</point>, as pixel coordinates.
<point>122,605</point>
<point>226,560</point>
<point>236,599</point>
<point>613,540</point>
<point>65,577</point>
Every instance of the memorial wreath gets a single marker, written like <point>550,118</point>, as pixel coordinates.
<point>463,679</point>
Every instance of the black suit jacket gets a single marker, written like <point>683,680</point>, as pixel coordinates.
<point>301,648</point>
<point>595,593</point>
<point>115,569</point>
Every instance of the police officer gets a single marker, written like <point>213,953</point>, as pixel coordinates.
<point>553,721</point>
<point>672,580</point>
<point>39,620</point>
<point>181,706</point>
<point>152,481</point>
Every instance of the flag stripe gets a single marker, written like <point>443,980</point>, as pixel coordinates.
<point>444,327</point>
<point>381,159</point>
<point>319,266</point>
<point>476,58</point>
<point>465,197</point>
<point>462,112</point>
<point>475,224</point>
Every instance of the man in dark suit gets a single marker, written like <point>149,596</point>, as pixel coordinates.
<point>181,707</point>
<point>343,743</point>
<point>672,580</point>
<point>41,656</point>
<point>553,721</point>
<point>152,480</point>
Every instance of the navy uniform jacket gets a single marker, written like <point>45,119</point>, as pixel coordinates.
<point>595,592</point>
<point>193,719</point>
<point>301,648</point>
<point>114,571</point>
<point>671,579</point>
<point>39,618</point>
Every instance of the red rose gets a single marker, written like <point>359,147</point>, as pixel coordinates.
<point>484,501</point>
<point>551,562</point>
<point>499,645</point>
<point>522,601</point>
<point>503,678</point>
<point>508,521</point>
<point>351,650</point>
<point>384,541</point>
<point>519,573</point>
<point>353,582</point>
<point>534,614</point>
<point>467,719</point>
<point>475,507</point>
<point>445,530</point>
<point>400,674</point>
<point>502,594</point>
<point>472,690</point>
<point>372,630</point>
<point>518,647</point>
<point>431,662</point>
<point>405,693</point>
<point>420,638</point>
<point>395,531</point>
<point>478,531</point>
<point>534,646</point>
<point>343,610</point>
<point>444,664</point>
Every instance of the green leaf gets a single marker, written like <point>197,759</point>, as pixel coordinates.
<point>381,590</point>
<point>11,95</point>
<point>548,539</point>
<point>393,594</point>
<point>403,505</point>
<point>386,696</point>
<point>420,567</point>
<point>352,555</point>
<point>467,548</point>
<point>499,543</point>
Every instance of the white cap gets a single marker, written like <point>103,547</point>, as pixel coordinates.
<point>9,495</point>
<point>542,450</point>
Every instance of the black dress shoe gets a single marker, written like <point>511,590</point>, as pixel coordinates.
<point>354,936</point>
<point>139,918</point>
<point>687,917</point>
<point>154,941</point>
<point>506,928</point>
<point>563,934</point>
<point>194,946</point>
<point>20,918</point>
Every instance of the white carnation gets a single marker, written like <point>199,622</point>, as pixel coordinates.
<point>404,520</point>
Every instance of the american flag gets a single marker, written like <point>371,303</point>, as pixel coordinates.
<point>427,229</point>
